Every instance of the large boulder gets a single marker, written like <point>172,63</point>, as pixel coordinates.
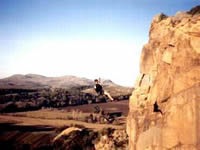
<point>170,77</point>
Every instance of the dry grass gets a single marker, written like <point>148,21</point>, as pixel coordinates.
<point>20,120</point>
<point>53,114</point>
<point>76,115</point>
<point>66,116</point>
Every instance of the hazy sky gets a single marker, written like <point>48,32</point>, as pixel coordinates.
<point>86,38</point>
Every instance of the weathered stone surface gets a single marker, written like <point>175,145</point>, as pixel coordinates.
<point>66,132</point>
<point>146,55</point>
<point>170,76</point>
<point>167,57</point>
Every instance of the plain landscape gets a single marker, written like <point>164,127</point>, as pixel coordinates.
<point>35,109</point>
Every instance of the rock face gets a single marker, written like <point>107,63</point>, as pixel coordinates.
<point>170,77</point>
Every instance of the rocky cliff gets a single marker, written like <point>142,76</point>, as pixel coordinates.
<point>164,109</point>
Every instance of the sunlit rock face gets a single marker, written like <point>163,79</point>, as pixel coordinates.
<point>170,76</point>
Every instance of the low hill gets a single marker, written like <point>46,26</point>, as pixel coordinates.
<point>33,81</point>
<point>31,91</point>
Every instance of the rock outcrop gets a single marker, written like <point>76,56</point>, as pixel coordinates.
<point>169,79</point>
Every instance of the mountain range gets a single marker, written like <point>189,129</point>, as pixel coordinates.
<point>34,81</point>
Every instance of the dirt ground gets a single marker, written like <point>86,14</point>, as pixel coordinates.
<point>117,106</point>
<point>36,129</point>
<point>58,117</point>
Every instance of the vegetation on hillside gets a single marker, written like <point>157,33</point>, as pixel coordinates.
<point>13,100</point>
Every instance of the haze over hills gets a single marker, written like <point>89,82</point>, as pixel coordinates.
<point>34,81</point>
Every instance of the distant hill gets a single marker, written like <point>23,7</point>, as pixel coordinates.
<point>31,92</point>
<point>34,81</point>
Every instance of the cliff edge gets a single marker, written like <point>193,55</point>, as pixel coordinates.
<point>164,109</point>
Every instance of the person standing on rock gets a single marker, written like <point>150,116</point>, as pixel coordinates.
<point>99,89</point>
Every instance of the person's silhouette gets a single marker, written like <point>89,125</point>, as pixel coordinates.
<point>99,89</point>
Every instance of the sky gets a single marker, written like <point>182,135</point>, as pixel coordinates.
<point>85,38</point>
